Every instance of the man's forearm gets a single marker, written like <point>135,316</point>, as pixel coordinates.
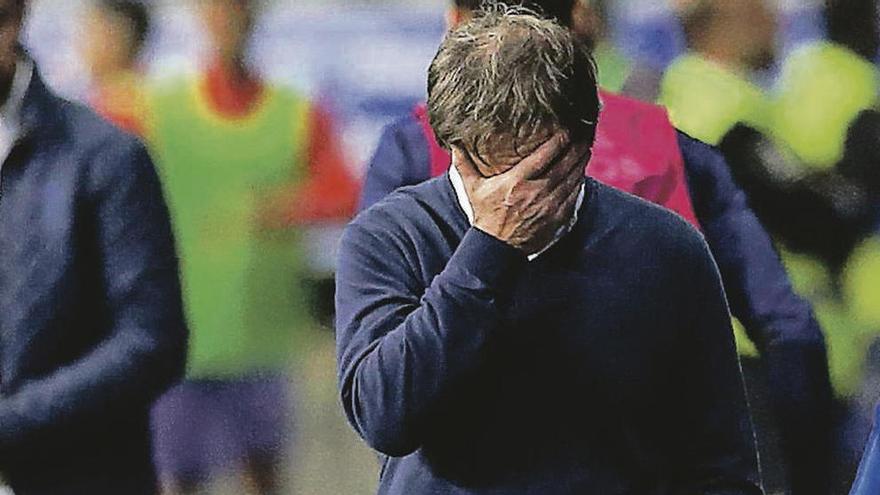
<point>398,359</point>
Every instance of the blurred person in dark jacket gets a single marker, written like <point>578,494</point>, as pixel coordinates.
<point>512,327</point>
<point>638,150</point>
<point>810,174</point>
<point>91,324</point>
<point>825,224</point>
<point>115,34</point>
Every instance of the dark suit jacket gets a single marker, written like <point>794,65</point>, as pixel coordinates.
<point>91,323</point>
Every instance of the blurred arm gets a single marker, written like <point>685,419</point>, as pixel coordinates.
<point>780,322</point>
<point>718,455</point>
<point>144,350</point>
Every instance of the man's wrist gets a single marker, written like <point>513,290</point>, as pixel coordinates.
<point>493,261</point>
<point>520,245</point>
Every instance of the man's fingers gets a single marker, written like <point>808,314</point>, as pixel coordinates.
<point>574,163</point>
<point>559,181</point>
<point>536,164</point>
<point>566,192</point>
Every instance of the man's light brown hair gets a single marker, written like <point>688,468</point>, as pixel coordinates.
<point>508,75</point>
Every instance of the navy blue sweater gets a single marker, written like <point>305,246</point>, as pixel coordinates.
<point>606,366</point>
<point>778,321</point>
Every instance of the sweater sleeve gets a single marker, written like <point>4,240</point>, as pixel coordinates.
<point>401,346</point>
<point>718,453</point>
<point>779,321</point>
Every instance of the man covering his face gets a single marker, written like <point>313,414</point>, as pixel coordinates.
<point>511,327</point>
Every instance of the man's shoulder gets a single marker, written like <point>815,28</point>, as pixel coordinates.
<point>642,220</point>
<point>91,134</point>
<point>408,207</point>
<point>91,142</point>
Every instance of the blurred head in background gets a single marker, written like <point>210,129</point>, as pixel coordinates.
<point>11,19</point>
<point>229,25</point>
<point>740,34</point>
<point>589,21</point>
<point>853,24</point>
<point>115,33</point>
<point>560,10</point>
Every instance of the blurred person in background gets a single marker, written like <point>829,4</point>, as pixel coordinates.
<point>90,304</point>
<point>514,341</point>
<point>708,90</point>
<point>638,150</point>
<point>827,127</point>
<point>591,22</point>
<point>115,32</point>
<point>243,161</point>
<point>818,219</point>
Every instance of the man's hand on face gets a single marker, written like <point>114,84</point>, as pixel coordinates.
<point>526,205</point>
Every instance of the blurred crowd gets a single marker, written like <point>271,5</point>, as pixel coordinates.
<point>247,166</point>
